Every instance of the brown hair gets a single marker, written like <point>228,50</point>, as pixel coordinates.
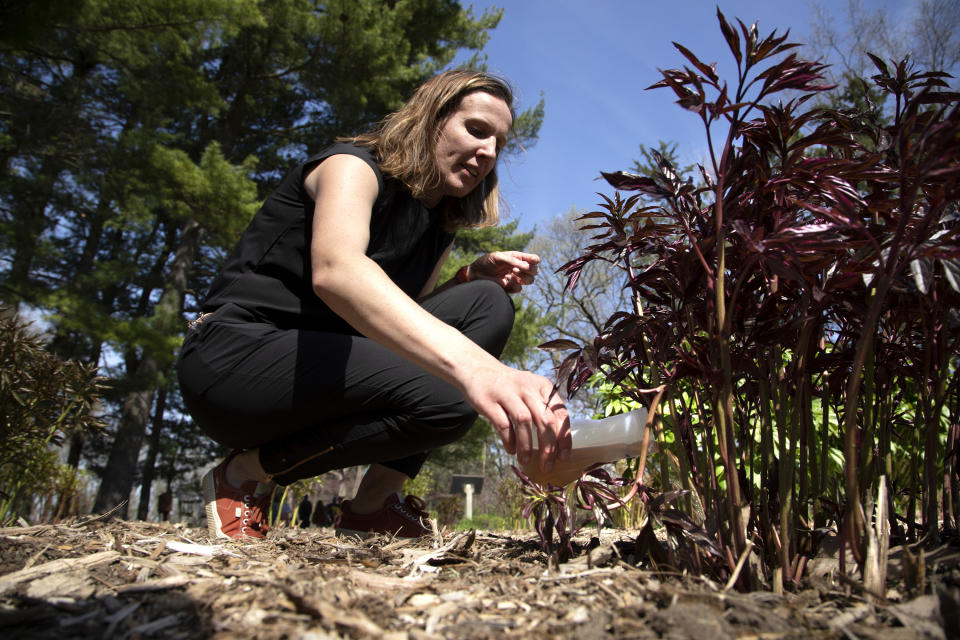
<point>406,139</point>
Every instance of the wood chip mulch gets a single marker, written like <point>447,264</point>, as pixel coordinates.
<point>118,579</point>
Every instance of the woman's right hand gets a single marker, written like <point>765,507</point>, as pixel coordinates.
<point>517,402</point>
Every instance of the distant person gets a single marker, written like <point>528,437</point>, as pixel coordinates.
<point>165,505</point>
<point>324,343</point>
<point>303,512</point>
<point>333,510</point>
<point>321,517</point>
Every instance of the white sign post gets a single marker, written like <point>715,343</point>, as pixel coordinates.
<point>468,491</point>
<point>469,485</point>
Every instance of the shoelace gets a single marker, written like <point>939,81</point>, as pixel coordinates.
<point>255,509</point>
<point>414,508</point>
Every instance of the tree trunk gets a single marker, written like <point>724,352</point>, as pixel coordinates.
<point>66,501</point>
<point>121,469</point>
<point>149,465</point>
<point>118,476</point>
<point>29,221</point>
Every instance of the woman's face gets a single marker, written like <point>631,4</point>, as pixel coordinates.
<point>469,141</point>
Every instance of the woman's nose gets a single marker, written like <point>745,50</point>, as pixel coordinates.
<point>489,147</point>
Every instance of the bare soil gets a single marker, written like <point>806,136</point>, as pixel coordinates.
<point>117,579</point>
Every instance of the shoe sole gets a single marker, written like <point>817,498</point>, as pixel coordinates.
<point>363,535</point>
<point>353,533</point>
<point>214,526</point>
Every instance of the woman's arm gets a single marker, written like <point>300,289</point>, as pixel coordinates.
<point>344,189</point>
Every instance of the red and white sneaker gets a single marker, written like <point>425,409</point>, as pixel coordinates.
<point>232,512</point>
<point>406,519</point>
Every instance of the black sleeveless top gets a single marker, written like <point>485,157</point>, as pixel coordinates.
<point>267,276</point>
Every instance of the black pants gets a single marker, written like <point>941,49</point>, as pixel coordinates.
<point>313,401</point>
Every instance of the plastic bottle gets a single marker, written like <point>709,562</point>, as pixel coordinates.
<point>594,441</point>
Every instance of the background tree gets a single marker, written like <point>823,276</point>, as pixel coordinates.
<point>844,34</point>
<point>579,313</point>
<point>647,164</point>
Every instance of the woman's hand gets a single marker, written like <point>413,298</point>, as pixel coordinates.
<point>511,269</point>
<point>517,403</point>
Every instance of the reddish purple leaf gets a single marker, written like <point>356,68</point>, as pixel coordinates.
<point>627,181</point>
<point>559,345</point>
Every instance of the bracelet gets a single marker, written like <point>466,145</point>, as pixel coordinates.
<point>463,275</point>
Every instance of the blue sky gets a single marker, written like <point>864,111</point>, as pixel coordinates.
<point>592,60</point>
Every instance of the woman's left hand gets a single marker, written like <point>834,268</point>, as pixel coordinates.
<point>511,269</point>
